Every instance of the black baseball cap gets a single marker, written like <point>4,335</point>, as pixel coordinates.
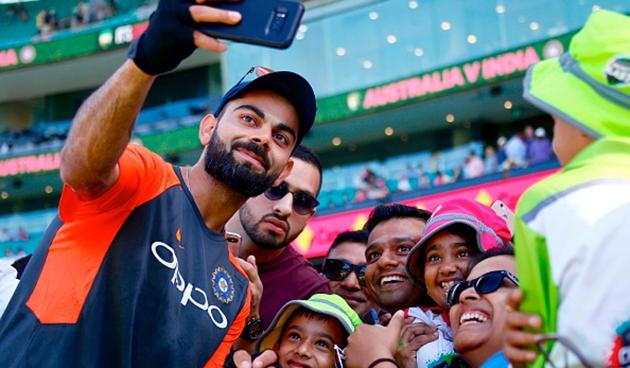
<point>289,85</point>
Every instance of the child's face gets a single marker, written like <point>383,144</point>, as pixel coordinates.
<point>309,342</point>
<point>445,263</point>
<point>485,335</point>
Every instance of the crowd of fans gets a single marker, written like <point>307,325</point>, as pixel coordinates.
<point>46,19</point>
<point>19,234</point>
<point>523,149</point>
<point>84,13</point>
<point>150,278</point>
<point>17,11</point>
<point>8,238</point>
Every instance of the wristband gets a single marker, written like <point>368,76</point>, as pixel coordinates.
<point>167,41</point>
<point>383,360</point>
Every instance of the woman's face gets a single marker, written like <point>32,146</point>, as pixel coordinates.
<point>446,261</point>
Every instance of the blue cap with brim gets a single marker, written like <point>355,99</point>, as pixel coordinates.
<point>287,84</point>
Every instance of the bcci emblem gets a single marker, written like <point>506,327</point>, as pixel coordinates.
<point>222,285</point>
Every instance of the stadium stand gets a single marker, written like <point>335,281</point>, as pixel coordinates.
<point>46,137</point>
<point>21,232</point>
<point>19,21</point>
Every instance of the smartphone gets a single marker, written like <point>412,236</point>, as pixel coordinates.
<point>504,211</point>
<point>271,23</point>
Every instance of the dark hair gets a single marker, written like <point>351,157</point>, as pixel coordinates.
<point>385,212</point>
<point>357,236</point>
<point>494,252</point>
<point>305,154</point>
<point>307,313</point>
<point>465,231</point>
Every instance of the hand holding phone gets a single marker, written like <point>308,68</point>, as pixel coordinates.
<point>505,212</point>
<point>271,23</point>
<point>170,37</point>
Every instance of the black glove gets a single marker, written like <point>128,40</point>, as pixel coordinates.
<point>167,41</point>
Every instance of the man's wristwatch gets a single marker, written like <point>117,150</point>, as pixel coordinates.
<point>253,329</point>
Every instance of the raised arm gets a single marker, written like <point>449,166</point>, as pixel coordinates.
<point>101,130</point>
<point>102,127</point>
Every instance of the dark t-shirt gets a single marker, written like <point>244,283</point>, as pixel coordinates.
<point>286,278</point>
<point>133,278</point>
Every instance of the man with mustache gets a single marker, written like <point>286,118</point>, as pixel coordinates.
<point>268,224</point>
<point>393,230</point>
<point>135,270</point>
<point>344,267</point>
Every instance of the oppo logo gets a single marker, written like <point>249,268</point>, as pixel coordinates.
<point>165,254</point>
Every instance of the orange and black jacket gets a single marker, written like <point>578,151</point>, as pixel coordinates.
<point>133,278</point>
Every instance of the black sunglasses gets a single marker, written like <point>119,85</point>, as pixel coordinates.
<point>303,202</point>
<point>339,270</point>
<point>484,284</point>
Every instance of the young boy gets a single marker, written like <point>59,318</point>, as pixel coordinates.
<point>572,229</point>
<point>478,308</point>
<point>310,333</point>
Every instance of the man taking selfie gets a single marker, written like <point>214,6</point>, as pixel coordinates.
<point>135,270</point>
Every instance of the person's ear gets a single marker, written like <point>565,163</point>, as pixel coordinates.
<point>206,127</point>
<point>285,172</point>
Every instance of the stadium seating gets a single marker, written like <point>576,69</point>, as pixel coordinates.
<point>33,223</point>
<point>47,137</point>
<point>341,183</point>
<point>16,30</point>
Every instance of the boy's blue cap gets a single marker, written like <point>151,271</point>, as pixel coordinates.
<point>289,85</point>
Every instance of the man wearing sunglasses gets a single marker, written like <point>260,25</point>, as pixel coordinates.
<point>268,224</point>
<point>135,270</point>
<point>478,308</point>
<point>344,267</point>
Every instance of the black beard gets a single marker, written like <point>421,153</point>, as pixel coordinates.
<point>221,165</point>
<point>261,239</point>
